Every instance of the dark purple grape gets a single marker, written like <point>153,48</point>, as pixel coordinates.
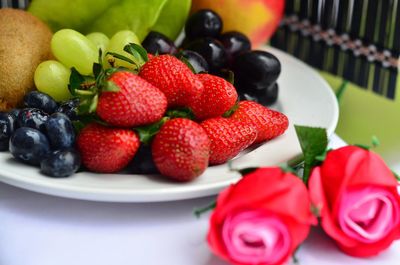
<point>33,118</point>
<point>29,146</point>
<point>158,43</point>
<point>212,51</point>
<point>255,70</point>
<point>265,97</point>
<point>235,43</point>
<point>203,23</point>
<point>41,101</point>
<point>61,164</point>
<point>197,61</point>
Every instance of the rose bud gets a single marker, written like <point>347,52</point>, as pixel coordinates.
<point>358,200</point>
<point>262,219</point>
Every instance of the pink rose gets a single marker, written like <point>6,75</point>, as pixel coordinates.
<point>262,219</point>
<point>359,201</point>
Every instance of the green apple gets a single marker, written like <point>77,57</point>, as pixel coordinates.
<point>111,16</point>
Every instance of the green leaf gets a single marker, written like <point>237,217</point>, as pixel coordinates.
<point>137,51</point>
<point>188,64</point>
<point>97,69</point>
<point>111,16</point>
<point>313,142</point>
<point>93,105</point>
<point>180,113</point>
<point>228,75</point>
<point>231,111</point>
<point>110,86</point>
<point>341,90</point>
<point>75,81</point>
<point>121,57</point>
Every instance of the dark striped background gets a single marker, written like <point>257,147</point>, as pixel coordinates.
<point>15,3</point>
<point>373,22</point>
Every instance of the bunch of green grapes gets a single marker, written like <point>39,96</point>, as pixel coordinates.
<point>72,49</point>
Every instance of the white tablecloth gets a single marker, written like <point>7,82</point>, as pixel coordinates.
<point>37,229</point>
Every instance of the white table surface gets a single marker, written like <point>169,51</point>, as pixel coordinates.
<point>37,229</point>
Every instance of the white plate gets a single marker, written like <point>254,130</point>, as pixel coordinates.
<point>304,97</point>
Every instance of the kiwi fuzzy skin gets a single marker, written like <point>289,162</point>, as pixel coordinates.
<point>24,44</point>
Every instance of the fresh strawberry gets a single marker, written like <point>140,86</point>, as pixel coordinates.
<point>267,122</point>
<point>228,138</point>
<point>106,150</point>
<point>218,97</point>
<point>181,149</point>
<point>136,103</point>
<point>174,78</point>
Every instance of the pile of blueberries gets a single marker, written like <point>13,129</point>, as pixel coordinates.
<point>207,49</point>
<point>42,134</point>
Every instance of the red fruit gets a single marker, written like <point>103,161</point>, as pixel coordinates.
<point>218,97</point>
<point>181,149</point>
<point>136,103</point>
<point>106,150</point>
<point>174,79</point>
<point>268,123</point>
<point>228,138</point>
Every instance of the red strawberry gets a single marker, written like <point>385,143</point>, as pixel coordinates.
<point>228,138</point>
<point>174,78</point>
<point>218,97</point>
<point>136,103</point>
<point>105,149</point>
<point>267,122</point>
<point>181,149</point>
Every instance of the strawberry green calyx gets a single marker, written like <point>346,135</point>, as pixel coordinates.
<point>146,133</point>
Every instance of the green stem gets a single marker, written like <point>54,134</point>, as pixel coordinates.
<point>198,212</point>
<point>341,90</point>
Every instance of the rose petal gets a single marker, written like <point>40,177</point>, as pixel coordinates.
<point>253,237</point>
<point>368,214</point>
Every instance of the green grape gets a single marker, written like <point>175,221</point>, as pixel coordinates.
<point>117,44</point>
<point>52,77</point>
<point>73,49</point>
<point>100,40</point>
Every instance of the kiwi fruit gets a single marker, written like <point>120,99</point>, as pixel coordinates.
<point>24,44</point>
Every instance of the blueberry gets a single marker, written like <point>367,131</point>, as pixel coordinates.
<point>14,113</point>
<point>7,127</point>
<point>143,162</point>
<point>158,43</point>
<point>61,164</point>
<point>203,23</point>
<point>235,43</point>
<point>41,101</point>
<point>69,108</point>
<point>212,51</point>
<point>33,118</point>
<point>197,61</point>
<point>265,97</point>
<point>60,131</point>
<point>29,145</point>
